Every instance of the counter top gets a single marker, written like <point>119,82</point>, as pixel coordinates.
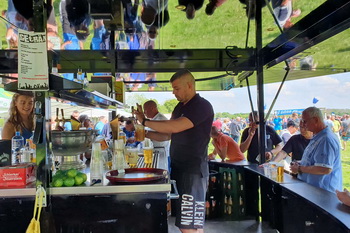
<point>324,199</point>
<point>89,190</point>
<point>227,162</point>
<point>287,178</point>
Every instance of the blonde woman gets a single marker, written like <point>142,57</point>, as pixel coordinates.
<point>21,116</point>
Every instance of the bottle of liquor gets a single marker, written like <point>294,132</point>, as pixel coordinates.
<point>17,145</point>
<point>33,149</point>
<point>207,209</point>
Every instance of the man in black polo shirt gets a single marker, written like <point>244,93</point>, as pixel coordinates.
<point>295,145</point>
<point>189,131</point>
<point>249,140</point>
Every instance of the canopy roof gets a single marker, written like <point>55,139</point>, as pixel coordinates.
<point>218,46</point>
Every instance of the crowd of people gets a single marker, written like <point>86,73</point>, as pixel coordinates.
<point>312,141</point>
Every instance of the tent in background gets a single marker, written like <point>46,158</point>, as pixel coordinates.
<point>5,101</point>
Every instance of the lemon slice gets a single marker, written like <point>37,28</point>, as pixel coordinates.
<point>180,7</point>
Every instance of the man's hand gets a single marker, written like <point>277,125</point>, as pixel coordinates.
<point>252,129</point>
<point>294,166</point>
<point>268,155</point>
<point>344,197</point>
<point>139,113</point>
<point>130,140</point>
<point>211,156</point>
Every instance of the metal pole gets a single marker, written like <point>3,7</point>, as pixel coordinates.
<point>113,54</point>
<point>41,108</point>
<point>260,80</point>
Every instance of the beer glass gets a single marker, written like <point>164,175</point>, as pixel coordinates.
<point>139,133</point>
<point>148,155</point>
<point>133,156</point>
<point>280,170</point>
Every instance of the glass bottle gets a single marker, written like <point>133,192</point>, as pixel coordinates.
<point>96,164</point>
<point>17,144</point>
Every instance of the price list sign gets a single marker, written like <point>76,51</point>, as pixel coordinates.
<point>32,61</point>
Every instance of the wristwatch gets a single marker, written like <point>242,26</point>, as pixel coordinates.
<point>144,121</point>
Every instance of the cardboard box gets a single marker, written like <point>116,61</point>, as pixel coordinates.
<point>17,175</point>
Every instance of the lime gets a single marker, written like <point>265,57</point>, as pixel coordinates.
<point>83,175</point>
<point>57,183</point>
<point>59,172</point>
<point>78,180</point>
<point>72,173</point>
<point>69,182</point>
<point>57,176</point>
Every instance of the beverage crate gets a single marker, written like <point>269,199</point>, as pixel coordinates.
<point>232,196</point>
<point>213,197</point>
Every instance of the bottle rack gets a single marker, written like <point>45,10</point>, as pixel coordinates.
<point>233,196</point>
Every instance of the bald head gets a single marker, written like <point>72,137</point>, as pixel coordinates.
<point>150,109</point>
<point>312,120</point>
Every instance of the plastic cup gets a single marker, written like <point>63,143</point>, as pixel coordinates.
<point>133,156</point>
<point>267,170</point>
<point>148,155</point>
<point>273,172</point>
<point>139,133</point>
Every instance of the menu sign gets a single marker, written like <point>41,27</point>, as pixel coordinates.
<point>32,61</point>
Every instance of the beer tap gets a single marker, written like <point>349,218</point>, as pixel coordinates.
<point>63,119</point>
<point>39,122</point>
<point>132,115</point>
<point>57,120</point>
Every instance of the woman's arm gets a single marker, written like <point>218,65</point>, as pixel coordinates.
<point>8,131</point>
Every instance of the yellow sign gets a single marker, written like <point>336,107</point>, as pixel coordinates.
<point>119,88</point>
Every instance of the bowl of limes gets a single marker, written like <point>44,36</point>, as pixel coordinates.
<point>68,178</point>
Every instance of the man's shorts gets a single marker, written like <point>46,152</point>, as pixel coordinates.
<point>190,207</point>
<point>346,137</point>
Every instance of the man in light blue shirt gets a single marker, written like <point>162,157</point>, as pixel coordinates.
<point>99,125</point>
<point>321,162</point>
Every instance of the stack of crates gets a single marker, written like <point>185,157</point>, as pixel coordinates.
<point>213,196</point>
<point>232,195</point>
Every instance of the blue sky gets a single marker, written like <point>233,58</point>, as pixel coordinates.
<point>332,91</point>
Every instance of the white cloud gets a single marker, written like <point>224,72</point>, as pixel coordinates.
<point>332,91</point>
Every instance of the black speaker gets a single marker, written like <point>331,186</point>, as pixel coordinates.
<point>5,153</point>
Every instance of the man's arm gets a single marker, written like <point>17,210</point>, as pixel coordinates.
<point>170,126</point>
<point>245,145</point>
<point>316,170</point>
<point>158,136</point>
<point>280,155</point>
<point>277,148</point>
<point>223,153</point>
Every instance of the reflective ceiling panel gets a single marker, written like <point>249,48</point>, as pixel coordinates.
<point>178,43</point>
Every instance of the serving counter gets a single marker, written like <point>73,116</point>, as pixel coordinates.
<point>289,204</point>
<point>103,208</point>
